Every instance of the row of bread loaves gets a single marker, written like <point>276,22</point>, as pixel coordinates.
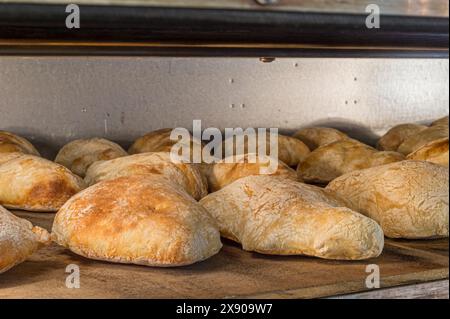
<point>142,208</point>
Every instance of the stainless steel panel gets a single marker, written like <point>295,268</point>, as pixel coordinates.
<point>56,99</point>
<point>437,8</point>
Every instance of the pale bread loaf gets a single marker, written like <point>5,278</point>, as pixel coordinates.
<point>223,172</point>
<point>278,216</point>
<point>78,155</point>
<point>291,151</point>
<point>397,135</point>
<point>159,141</point>
<point>10,143</point>
<point>315,137</point>
<point>409,199</point>
<point>18,239</point>
<point>335,159</point>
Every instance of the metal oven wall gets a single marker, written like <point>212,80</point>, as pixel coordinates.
<point>52,100</point>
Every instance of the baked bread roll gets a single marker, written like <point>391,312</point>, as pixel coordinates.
<point>397,135</point>
<point>291,151</point>
<point>224,172</point>
<point>333,160</point>
<point>315,137</point>
<point>188,176</point>
<point>18,239</point>
<point>416,141</point>
<point>78,155</point>
<point>143,220</point>
<point>435,152</point>
<point>409,199</point>
<point>278,216</point>
<point>157,141</point>
<point>32,183</point>
<point>441,121</point>
<point>10,143</point>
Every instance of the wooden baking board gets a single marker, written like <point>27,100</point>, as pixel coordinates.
<point>233,273</point>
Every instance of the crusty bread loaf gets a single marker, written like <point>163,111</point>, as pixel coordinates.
<point>188,176</point>
<point>275,215</point>
<point>441,121</point>
<point>18,239</point>
<point>416,141</point>
<point>157,141</point>
<point>32,183</point>
<point>291,151</point>
<point>225,172</point>
<point>10,143</point>
<point>142,220</point>
<point>335,159</point>
<point>315,137</point>
<point>397,135</point>
<point>78,155</point>
<point>409,199</point>
<point>435,152</point>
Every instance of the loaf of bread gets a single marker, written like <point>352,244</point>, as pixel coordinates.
<point>188,176</point>
<point>416,141</point>
<point>10,143</point>
<point>158,141</point>
<point>397,135</point>
<point>409,199</point>
<point>142,220</point>
<point>315,137</point>
<point>229,170</point>
<point>18,239</point>
<point>291,151</point>
<point>278,216</point>
<point>32,183</point>
<point>78,155</point>
<point>435,152</point>
<point>441,121</point>
<point>333,160</point>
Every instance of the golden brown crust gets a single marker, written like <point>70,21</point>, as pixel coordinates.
<point>157,141</point>
<point>10,143</point>
<point>78,155</point>
<point>32,183</point>
<point>224,172</point>
<point>188,176</point>
<point>315,137</point>
<point>335,159</point>
<point>409,199</point>
<point>397,135</point>
<point>435,152</point>
<point>5,157</point>
<point>274,215</point>
<point>414,142</point>
<point>291,151</point>
<point>142,220</point>
<point>18,239</point>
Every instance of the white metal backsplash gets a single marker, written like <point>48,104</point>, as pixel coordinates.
<point>52,100</point>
